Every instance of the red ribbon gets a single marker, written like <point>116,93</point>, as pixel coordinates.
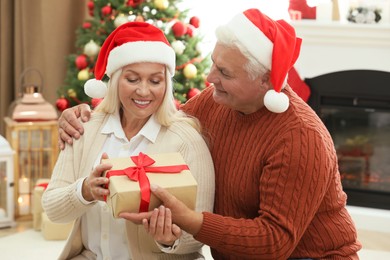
<point>138,173</point>
<point>44,185</point>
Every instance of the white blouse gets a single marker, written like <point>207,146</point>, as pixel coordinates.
<point>101,233</point>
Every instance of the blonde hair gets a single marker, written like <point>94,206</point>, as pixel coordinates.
<point>166,114</point>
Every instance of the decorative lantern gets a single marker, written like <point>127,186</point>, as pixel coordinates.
<point>6,184</point>
<point>32,106</point>
<point>32,131</point>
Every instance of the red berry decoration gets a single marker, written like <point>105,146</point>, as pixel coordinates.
<point>106,10</point>
<point>192,92</point>
<point>62,104</point>
<point>194,21</point>
<point>81,62</point>
<point>179,29</point>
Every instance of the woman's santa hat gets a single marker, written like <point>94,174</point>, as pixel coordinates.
<point>274,44</point>
<point>131,42</point>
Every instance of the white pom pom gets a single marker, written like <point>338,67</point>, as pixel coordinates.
<point>276,102</point>
<point>95,88</point>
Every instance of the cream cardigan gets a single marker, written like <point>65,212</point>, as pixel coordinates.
<point>62,205</point>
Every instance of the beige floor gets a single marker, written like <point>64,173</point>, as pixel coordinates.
<point>370,239</point>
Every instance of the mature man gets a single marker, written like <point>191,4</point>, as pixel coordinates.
<point>278,190</point>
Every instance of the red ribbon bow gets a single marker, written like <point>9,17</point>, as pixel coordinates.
<point>44,185</point>
<point>138,173</point>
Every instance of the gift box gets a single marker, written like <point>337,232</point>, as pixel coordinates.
<point>130,180</point>
<point>55,231</point>
<point>37,210</point>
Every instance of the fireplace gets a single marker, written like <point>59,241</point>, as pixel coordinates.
<point>355,107</point>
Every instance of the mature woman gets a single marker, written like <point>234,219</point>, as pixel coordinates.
<point>137,115</point>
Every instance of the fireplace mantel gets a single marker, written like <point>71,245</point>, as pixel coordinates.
<point>335,46</point>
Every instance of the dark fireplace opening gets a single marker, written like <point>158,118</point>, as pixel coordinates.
<point>355,107</point>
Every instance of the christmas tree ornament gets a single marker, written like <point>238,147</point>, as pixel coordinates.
<point>177,103</point>
<point>87,25</point>
<point>83,75</point>
<point>81,62</point>
<point>131,18</point>
<point>190,71</point>
<point>90,6</point>
<point>190,30</point>
<point>62,104</point>
<point>161,4</point>
<point>95,102</point>
<point>106,10</point>
<point>179,29</point>
<point>275,45</point>
<point>72,93</point>
<point>120,19</point>
<point>192,92</point>
<point>178,47</point>
<point>91,49</point>
<point>134,3</point>
<point>194,21</point>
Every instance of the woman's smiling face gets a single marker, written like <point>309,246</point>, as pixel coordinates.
<point>141,89</point>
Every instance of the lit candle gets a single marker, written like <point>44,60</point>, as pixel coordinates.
<point>24,204</point>
<point>24,186</point>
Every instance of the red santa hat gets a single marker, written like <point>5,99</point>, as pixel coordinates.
<point>274,44</point>
<point>131,42</point>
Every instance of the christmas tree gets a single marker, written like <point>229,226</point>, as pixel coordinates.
<point>105,15</point>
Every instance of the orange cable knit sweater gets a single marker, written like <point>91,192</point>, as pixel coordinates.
<point>278,190</point>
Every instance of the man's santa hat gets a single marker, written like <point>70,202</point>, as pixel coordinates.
<point>131,42</point>
<point>274,44</point>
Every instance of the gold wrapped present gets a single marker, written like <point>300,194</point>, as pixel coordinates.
<point>55,231</point>
<point>37,210</point>
<point>130,180</point>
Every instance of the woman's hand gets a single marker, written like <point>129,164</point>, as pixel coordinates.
<point>94,186</point>
<point>161,228</point>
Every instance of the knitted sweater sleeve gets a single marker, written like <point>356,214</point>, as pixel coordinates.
<point>74,163</point>
<point>292,183</point>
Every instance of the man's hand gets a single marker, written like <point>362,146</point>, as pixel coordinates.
<point>69,125</point>
<point>187,219</point>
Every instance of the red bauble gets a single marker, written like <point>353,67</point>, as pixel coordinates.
<point>90,5</point>
<point>62,104</point>
<point>194,21</point>
<point>179,29</point>
<point>106,10</point>
<point>81,62</point>
<point>87,25</point>
<point>177,104</point>
<point>95,102</point>
<point>190,30</point>
<point>192,92</point>
<point>134,3</point>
